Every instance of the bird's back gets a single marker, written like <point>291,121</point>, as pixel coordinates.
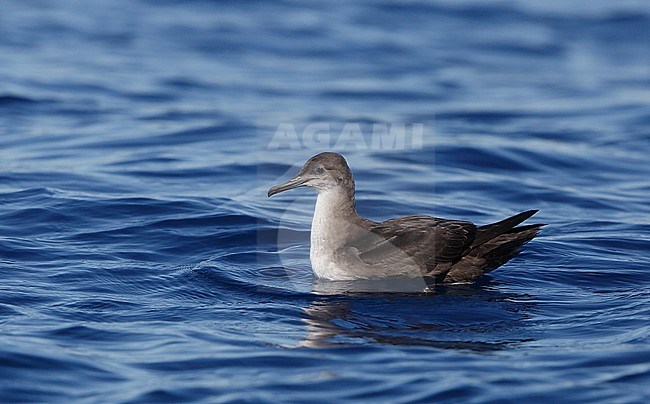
<point>444,250</point>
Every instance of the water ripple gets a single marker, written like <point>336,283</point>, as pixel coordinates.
<point>141,260</point>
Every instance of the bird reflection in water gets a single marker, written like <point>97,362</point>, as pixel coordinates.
<point>460,317</point>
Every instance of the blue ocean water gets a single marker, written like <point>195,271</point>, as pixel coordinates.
<point>141,261</point>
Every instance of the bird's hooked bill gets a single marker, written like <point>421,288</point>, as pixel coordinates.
<point>295,182</point>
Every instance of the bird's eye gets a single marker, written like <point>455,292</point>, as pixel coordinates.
<point>319,170</point>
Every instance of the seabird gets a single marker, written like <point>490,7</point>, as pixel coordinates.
<point>346,246</point>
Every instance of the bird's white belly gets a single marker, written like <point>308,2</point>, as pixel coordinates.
<point>331,260</point>
<point>324,266</point>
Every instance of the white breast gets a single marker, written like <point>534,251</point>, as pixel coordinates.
<point>328,233</point>
<point>332,225</point>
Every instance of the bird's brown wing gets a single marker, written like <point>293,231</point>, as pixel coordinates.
<point>433,243</point>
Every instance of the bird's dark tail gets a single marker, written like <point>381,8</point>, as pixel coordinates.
<point>490,231</point>
<point>495,244</point>
<point>504,247</point>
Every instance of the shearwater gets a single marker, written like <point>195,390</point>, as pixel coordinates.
<point>346,246</point>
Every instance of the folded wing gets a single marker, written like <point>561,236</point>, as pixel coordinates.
<point>434,244</point>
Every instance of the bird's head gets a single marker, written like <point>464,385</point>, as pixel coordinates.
<point>323,172</point>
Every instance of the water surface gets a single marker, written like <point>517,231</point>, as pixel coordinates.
<point>141,261</point>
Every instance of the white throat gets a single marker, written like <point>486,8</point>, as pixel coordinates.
<point>329,229</point>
